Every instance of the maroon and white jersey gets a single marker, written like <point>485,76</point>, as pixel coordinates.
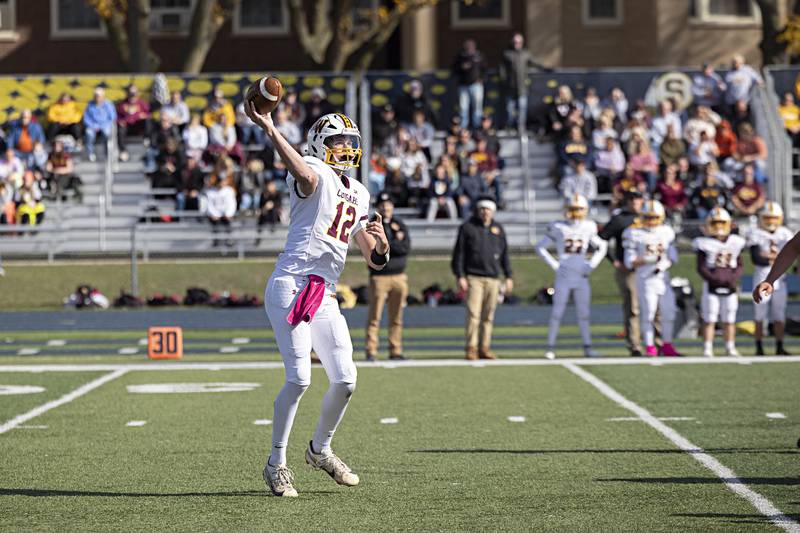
<point>720,254</point>
<point>322,224</point>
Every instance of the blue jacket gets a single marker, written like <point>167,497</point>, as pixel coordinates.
<point>34,130</point>
<point>100,117</point>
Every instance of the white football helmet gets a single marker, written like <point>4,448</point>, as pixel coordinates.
<point>653,214</point>
<point>576,207</point>
<point>771,217</point>
<point>718,222</point>
<point>335,139</point>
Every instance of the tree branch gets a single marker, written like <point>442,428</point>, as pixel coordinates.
<point>207,19</point>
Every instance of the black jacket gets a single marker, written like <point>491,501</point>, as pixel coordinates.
<point>469,68</point>
<point>399,246</point>
<point>514,70</point>
<point>481,250</point>
<point>614,229</point>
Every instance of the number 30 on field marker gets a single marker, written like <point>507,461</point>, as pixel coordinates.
<point>165,343</point>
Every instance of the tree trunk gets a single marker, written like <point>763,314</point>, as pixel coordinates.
<point>139,35</point>
<point>115,25</point>
<point>207,19</point>
<point>772,51</point>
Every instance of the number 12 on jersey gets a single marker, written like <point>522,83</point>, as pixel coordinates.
<point>341,229</point>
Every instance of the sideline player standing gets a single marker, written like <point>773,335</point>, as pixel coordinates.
<point>327,209</point>
<point>650,251</point>
<point>765,242</point>
<point>572,238</point>
<point>719,263</point>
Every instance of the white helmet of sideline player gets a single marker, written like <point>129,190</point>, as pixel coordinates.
<point>335,139</point>
<point>576,207</point>
<point>771,217</point>
<point>718,222</point>
<point>653,214</point>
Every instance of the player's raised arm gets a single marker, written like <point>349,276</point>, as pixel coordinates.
<point>782,263</point>
<point>303,174</point>
<point>373,243</point>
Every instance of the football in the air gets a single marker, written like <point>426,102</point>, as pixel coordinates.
<point>265,94</point>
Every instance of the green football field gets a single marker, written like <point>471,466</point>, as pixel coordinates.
<point>102,441</point>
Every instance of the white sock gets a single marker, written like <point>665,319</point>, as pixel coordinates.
<point>285,408</point>
<point>333,407</point>
<point>708,346</point>
<point>730,345</point>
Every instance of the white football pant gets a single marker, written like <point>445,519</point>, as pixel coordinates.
<point>718,308</point>
<point>655,294</point>
<point>582,295</point>
<point>329,336</point>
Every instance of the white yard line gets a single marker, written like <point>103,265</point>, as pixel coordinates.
<point>414,363</point>
<point>77,393</point>
<point>136,423</point>
<point>726,475</point>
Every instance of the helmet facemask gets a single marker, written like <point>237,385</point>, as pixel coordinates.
<point>771,222</point>
<point>343,151</point>
<point>576,213</point>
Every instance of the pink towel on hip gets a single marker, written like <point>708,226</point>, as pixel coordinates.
<point>308,301</point>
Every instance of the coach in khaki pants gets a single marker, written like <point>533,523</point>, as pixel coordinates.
<point>389,285</point>
<point>481,253</point>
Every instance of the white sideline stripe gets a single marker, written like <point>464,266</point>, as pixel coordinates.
<point>776,415</point>
<point>128,351</point>
<point>516,419</point>
<point>77,393</point>
<point>240,340</point>
<point>414,363</point>
<point>31,427</point>
<point>637,419</point>
<point>262,422</point>
<point>28,351</point>
<point>136,423</point>
<point>728,476</point>
<point>390,420</point>
<point>56,342</point>
<point>229,349</point>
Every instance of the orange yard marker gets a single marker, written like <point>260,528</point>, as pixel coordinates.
<point>165,342</point>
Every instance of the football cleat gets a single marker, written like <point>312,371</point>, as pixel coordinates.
<point>781,351</point>
<point>588,351</point>
<point>334,466</point>
<point>651,351</point>
<point>280,480</point>
<point>550,354</point>
<point>708,352</point>
<point>669,350</point>
<point>732,352</point>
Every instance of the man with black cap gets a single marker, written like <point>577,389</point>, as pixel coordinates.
<point>390,284</point>
<point>627,215</point>
<point>479,258</point>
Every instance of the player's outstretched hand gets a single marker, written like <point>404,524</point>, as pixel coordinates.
<point>375,228</point>
<point>762,291</point>
<point>262,121</point>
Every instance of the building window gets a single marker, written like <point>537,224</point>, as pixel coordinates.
<point>724,12</point>
<point>602,12</point>
<point>255,17</point>
<point>74,18</point>
<point>481,14</point>
<point>8,18</point>
<point>171,16</point>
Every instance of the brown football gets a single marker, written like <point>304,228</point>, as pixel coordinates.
<point>265,94</point>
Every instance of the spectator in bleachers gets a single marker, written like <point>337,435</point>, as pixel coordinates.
<point>218,107</point>
<point>290,131</point>
<point>593,109</point>
<point>704,151</point>
<point>701,119</point>
<point>790,114</point>
<point>708,88</point>
<point>645,163</point>
<point>250,183</point>
<point>740,115</point>
<point>740,79</point>
<point>672,192</point>
<point>222,140</point>
<point>487,131</point>
<point>726,140</point>
<point>440,195</point>
<point>465,144</point>
<point>38,160</point>
<point>486,160</point>
<point>24,134</point>
<point>469,69</point>
<point>579,181</point>
<point>641,114</point>
<point>195,138</point>
<point>559,110</point>
<point>192,184</point>
<point>99,118</point>
<point>514,80</point>
<point>495,188</point>
<point>573,147</point>
<point>665,118</point>
<point>604,128</point>
<point>672,149</point>
<point>415,100</point>
<point>218,203</point>
<point>685,174</point>
<point>384,126</point>
<point>471,187</point>
<point>133,118</point>
<point>159,92</point>
<point>12,168</point>
<point>247,132</point>
<point>30,209</point>
<point>748,196</point>
<point>64,118</point>
<point>170,163</point>
<point>454,154</point>
<point>158,140</point>
<point>709,194</point>
<point>422,131</point>
<point>609,162</point>
<point>633,135</point>
<point>294,109</point>
<point>454,128</point>
<point>750,148</point>
<point>61,173</point>
<point>8,209</point>
<point>416,171</point>
<point>269,207</point>
<point>176,111</point>
<point>395,183</point>
<point>618,102</point>
<point>396,144</point>
<point>376,177</point>
<point>316,106</point>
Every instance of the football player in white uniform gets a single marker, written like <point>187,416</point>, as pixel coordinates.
<point>719,263</point>
<point>327,211</point>
<point>650,251</point>
<point>765,242</point>
<point>572,238</point>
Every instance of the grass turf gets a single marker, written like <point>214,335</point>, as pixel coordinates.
<point>43,286</point>
<point>452,462</point>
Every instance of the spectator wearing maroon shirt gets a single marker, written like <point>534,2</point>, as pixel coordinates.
<point>748,196</point>
<point>133,116</point>
<point>628,181</point>
<point>486,160</point>
<point>671,192</point>
<point>61,172</point>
